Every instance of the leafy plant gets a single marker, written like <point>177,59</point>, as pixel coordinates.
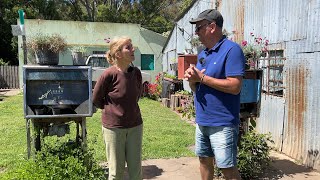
<point>253,154</point>
<point>169,76</point>
<point>184,92</point>
<point>75,49</point>
<point>53,43</point>
<point>2,63</point>
<point>195,42</point>
<point>173,60</point>
<point>254,49</point>
<point>59,161</point>
<point>155,89</point>
<point>189,110</point>
<point>179,109</point>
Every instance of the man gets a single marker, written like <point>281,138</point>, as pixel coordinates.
<point>216,82</point>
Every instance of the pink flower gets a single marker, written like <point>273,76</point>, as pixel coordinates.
<point>264,49</point>
<point>244,43</point>
<point>107,40</point>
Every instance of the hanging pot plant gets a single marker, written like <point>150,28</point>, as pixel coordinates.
<point>46,48</point>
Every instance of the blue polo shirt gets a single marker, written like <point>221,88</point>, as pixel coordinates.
<point>213,107</point>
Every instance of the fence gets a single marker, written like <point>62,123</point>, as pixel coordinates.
<point>9,77</point>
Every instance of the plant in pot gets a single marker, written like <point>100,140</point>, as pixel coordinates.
<point>78,55</point>
<point>46,48</point>
<point>253,50</point>
<point>195,43</point>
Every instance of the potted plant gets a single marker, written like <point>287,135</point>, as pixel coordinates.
<point>78,55</point>
<point>46,48</point>
<point>195,43</point>
<point>253,50</point>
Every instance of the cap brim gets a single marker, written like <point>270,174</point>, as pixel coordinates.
<point>193,21</point>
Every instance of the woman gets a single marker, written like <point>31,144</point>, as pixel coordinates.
<point>117,92</point>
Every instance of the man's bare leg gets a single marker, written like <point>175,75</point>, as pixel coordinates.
<point>206,168</point>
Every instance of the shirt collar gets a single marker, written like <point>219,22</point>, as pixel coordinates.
<point>216,46</point>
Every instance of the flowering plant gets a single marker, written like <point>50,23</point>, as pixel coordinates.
<point>154,90</point>
<point>254,49</point>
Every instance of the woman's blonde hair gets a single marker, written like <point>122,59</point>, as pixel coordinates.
<point>116,45</point>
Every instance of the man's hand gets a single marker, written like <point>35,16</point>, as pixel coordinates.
<point>193,75</point>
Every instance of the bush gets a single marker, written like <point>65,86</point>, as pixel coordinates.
<point>3,63</point>
<point>53,43</point>
<point>253,154</point>
<point>64,161</point>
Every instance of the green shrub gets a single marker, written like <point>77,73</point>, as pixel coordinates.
<point>189,110</point>
<point>253,154</point>
<point>59,161</point>
<point>169,76</point>
<point>3,63</point>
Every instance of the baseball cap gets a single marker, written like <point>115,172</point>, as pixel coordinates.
<point>210,15</point>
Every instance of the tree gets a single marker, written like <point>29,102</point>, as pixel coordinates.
<point>156,15</point>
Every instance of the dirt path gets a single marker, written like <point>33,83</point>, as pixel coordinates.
<point>9,92</point>
<point>186,168</point>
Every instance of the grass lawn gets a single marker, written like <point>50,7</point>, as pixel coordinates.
<point>165,134</point>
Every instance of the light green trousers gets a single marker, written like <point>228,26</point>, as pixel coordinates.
<point>123,146</point>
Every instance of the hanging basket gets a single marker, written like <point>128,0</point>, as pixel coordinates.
<point>78,59</point>
<point>46,57</point>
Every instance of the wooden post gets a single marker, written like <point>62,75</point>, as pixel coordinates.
<point>165,102</point>
<point>174,101</point>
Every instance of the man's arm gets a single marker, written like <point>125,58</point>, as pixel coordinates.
<point>231,85</point>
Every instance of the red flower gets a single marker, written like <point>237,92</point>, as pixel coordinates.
<point>244,43</point>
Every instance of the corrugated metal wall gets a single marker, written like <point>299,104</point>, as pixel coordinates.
<point>233,14</point>
<point>302,122</point>
<point>291,26</point>
<point>293,120</point>
<point>271,118</point>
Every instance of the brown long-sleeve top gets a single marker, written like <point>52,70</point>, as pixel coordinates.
<point>117,93</point>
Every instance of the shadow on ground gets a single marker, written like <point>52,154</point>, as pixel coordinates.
<point>280,168</point>
<point>4,93</point>
<point>148,172</point>
<point>151,171</point>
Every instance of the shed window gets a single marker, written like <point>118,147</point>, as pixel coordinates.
<point>98,52</point>
<point>272,65</point>
<point>147,62</point>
